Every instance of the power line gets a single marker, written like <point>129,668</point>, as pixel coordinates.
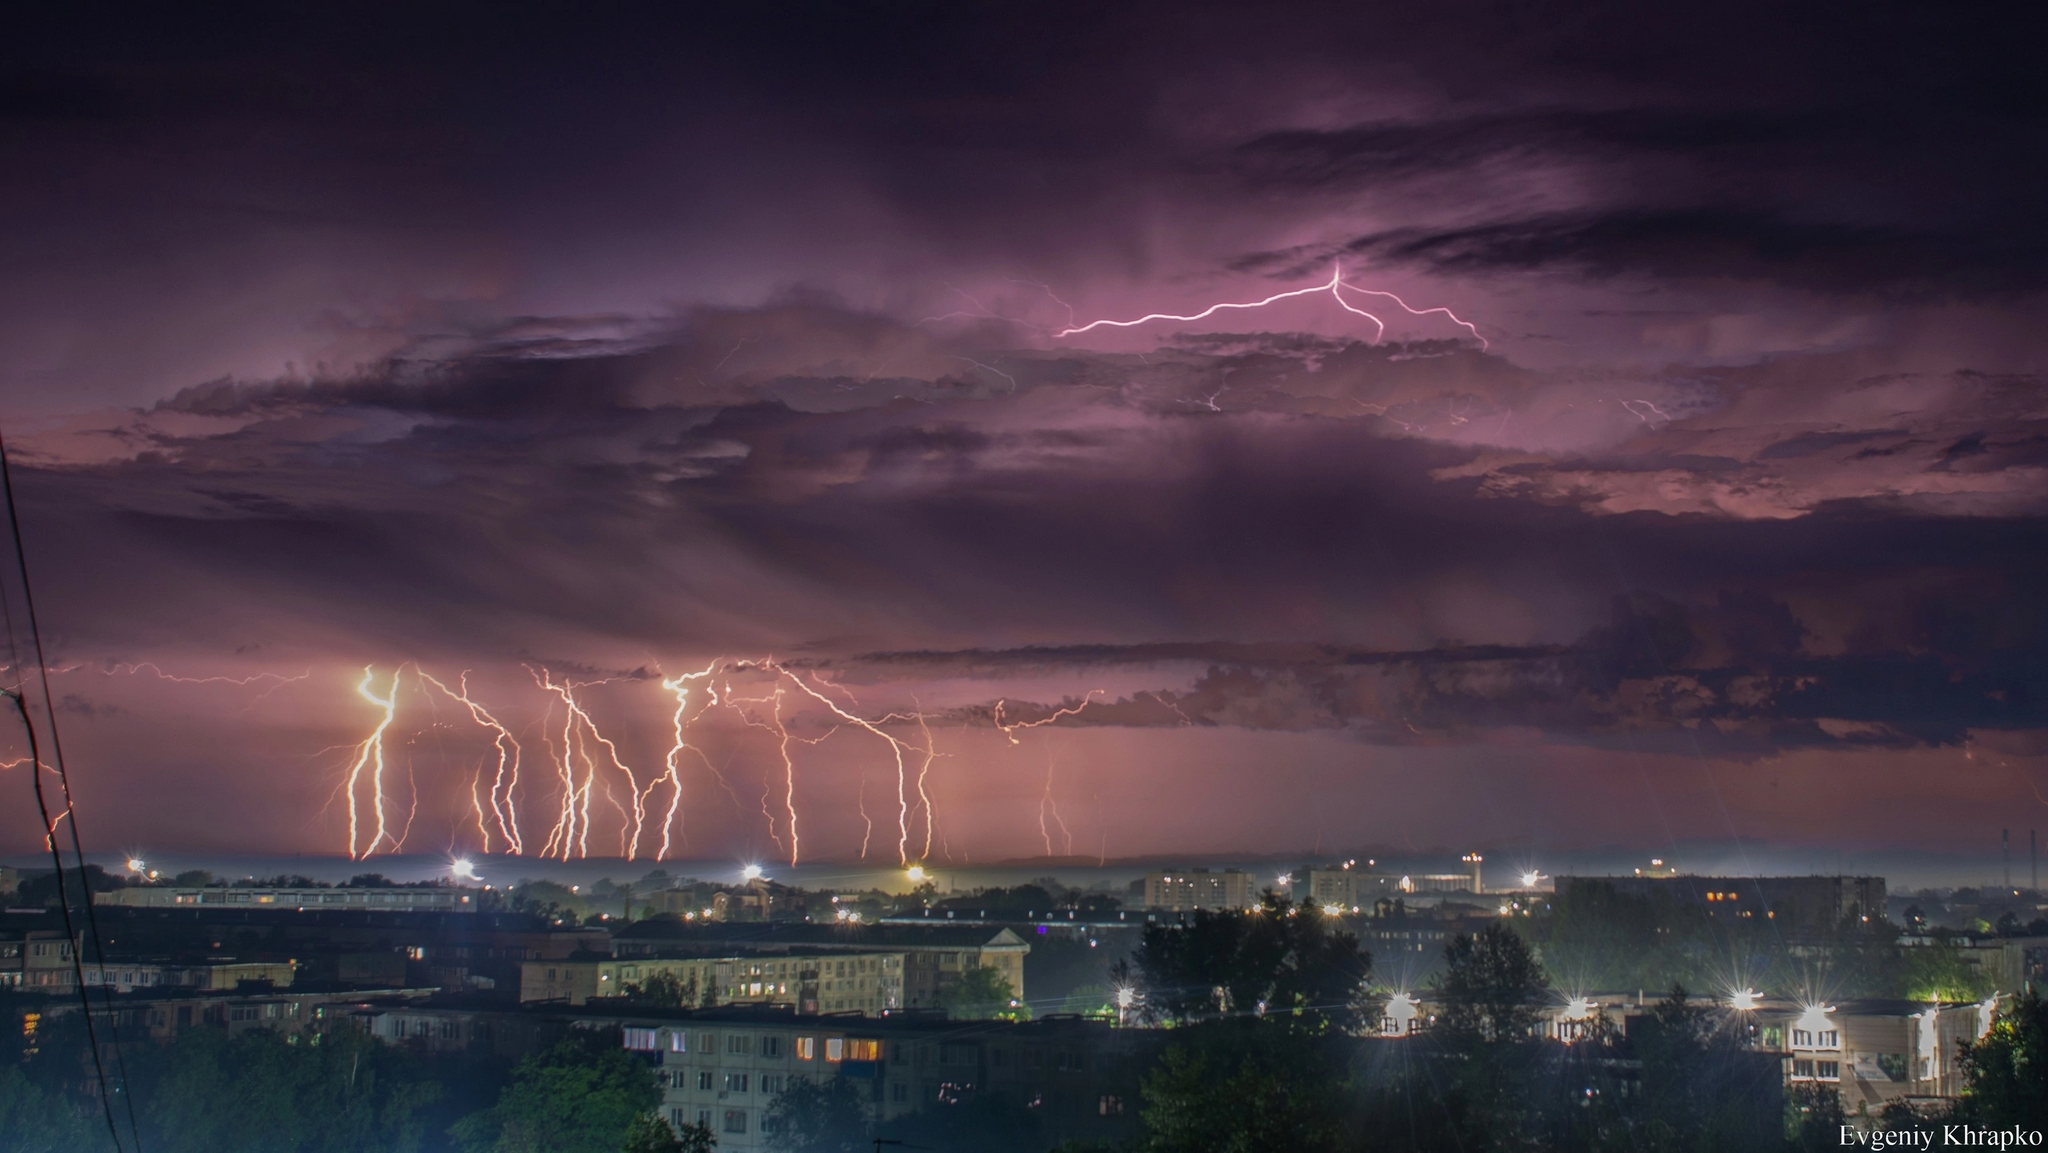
<point>75,941</point>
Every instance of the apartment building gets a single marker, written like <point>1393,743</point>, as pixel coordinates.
<point>1185,890</point>
<point>935,958</point>
<point>161,1014</point>
<point>423,899</point>
<point>723,1068</point>
<point>806,980</point>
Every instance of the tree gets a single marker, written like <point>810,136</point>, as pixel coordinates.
<point>983,1123</point>
<point>2005,1073</point>
<point>581,1096</point>
<point>1491,990</point>
<point>1815,1117</point>
<point>41,889</point>
<point>1233,1089</point>
<point>33,1120</point>
<point>1281,960</point>
<point>209,1092</point>
<point>813,1117</point>
<point>1700,1088</point>
<point>651,1134</point>
<point>665,989</point>
<point>982,993</point>
<point>1492,987</point>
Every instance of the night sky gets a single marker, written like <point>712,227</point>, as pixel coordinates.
<point>615,343</point>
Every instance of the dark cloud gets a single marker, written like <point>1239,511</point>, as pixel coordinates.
<point>1713,572</point>
<point>1923,260</point>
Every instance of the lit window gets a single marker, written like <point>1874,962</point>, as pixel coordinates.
<point>863,1050</point>
<point>806,1048</point>
<point>835,1049</point>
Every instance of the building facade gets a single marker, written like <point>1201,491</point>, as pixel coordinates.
<point>809,982</point>
<point>1816,902</point>
<point>425,899</point>
<point>723,1070</point>
<point>935,958</point>
<point>1184,891</point>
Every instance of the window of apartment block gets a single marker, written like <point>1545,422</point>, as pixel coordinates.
<point>704,1118</point>
<point>771,1046</point>
<point>1110,1106</point>
<point>677,1043</point>
<point>707,1043</point>
<point>863,1050</point>
<point>738,1043</point>
<point>1827,1070</point>
<point>806,1048</point>
<point>704,1079</point>
<point>640,1040</point>
<point>835,1049</point>
<point>1802,1067</point>
<point>1802,1038</point>
<point>899,1093</point>
<point>735,1120</point>
<point>771,1083</point>
<point>1830,1039</point>
<point>735,1082</point>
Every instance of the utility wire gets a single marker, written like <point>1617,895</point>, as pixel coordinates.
<point>49,828</point>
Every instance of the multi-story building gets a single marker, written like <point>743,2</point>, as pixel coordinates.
<point>127,977</point>
<point>935,958</point>
<point>1817,902</point>
<point>420,899</point>
<point>723,1068</point>
<point>1185,890</point>
<point>809,981</point>
<point>1872,1051</point>
<point>161,1014</point>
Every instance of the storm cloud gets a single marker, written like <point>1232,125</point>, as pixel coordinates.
<point>1700,420</point>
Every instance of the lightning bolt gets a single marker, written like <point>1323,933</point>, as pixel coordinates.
<point>680,686</point>
<point>579,734</point>
<point>1010,729</point>
<point>49,834</point>
<point>1630,405</point>
<point>503,807</point>
<point>1336,287</point>
<point>370,759</point>
<point>896,749</point>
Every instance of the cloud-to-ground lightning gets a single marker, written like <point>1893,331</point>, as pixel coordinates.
<point>579,734</point>
<point>592,770</point>
<point>1336,286</point>
<point>369,759</point>
<point>896,748</point>
<point>680,687</point>
<point>504,806</point>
